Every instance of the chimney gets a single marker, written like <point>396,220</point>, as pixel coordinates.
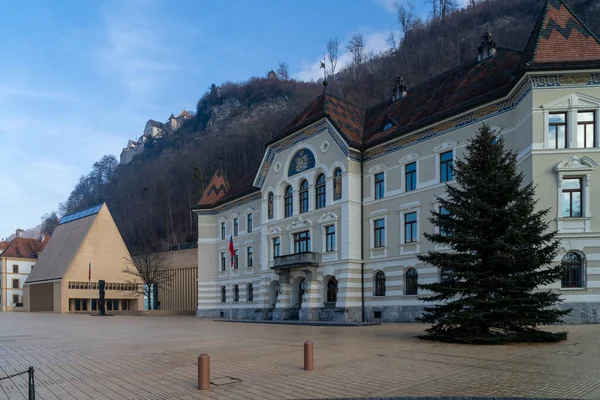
<point>399,90</point>
<point>19,233</point>
<point>487,48</point>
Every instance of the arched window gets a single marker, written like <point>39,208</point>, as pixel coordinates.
<point>289,201</point>
<point>411,282</point>
<point>332,289</point>
<point>380,284</point>
<point>572,264</point>
<point>303,193</point>
<point>446,275</point>
<point>249,293</point>
<point>236,293</point>
<point>337,184</point>
<point>270,205</point>
<point>320,191</point>
<point>223,294</point>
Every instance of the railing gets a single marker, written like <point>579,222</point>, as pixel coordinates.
<point>296,260</point>
<point>29,371</point>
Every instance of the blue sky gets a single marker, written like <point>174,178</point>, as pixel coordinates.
<point>79,78</point>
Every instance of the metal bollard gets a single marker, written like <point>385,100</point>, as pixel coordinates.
<point>31,383</point>
<point>203,372</point>
<point>308,356</point>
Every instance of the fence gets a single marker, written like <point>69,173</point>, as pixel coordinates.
<point>29,371</point>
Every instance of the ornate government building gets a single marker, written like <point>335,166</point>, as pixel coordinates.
<point>330,226</point>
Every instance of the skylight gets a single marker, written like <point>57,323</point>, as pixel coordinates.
<point>80,214</point>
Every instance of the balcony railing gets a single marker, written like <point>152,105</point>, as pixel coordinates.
<point>296,260</point>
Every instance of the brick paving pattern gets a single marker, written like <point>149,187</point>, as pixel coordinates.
<point>154,358</point>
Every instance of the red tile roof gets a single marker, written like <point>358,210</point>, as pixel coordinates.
<point>3,245</point>
<point>24,248</point>
<point>561,39</point>
<point>216,189</point>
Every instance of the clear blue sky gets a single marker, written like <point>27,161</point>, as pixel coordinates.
<point>79,78</point>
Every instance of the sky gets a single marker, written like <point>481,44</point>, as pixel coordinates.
<point>79,78</point>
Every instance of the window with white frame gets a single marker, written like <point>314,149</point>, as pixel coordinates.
<point>222,230</point>
<point>302,242</point>
<point>571,197</point>
<point>574,194</point>
<point>236,259</point>
<point>446,165</point>
<point>223,261</point>
<point>250,223</point>
<point>557,130</point>
<point>330,238</point>
<point>303,197</point>
<point>379,233</point>
<point>586,129</point>
<point>410,227</point>
<point>410,176</point>
<point>379,185</point>
<point>236,226</point>
<point>276,247</point>
<point>249,257</point>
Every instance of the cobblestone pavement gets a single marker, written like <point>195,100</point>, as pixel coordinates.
<point>83,357</point>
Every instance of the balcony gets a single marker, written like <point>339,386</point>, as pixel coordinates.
<point>289,261</point>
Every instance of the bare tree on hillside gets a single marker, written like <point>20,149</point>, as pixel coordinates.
<point>333,49</point>
<point>49,223</point>
<point>391,40</point>
<point>151,270</point>
<point>406,16</point>
<point>283,71</point>
<point>356,46</point>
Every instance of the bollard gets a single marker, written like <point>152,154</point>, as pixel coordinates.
<point>308,356</point>
<point>203,372</point>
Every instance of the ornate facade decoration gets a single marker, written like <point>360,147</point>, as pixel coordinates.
<point>303,160</point>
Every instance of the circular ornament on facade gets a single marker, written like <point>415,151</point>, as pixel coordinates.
<point>325,146</point>
<point>277,167</point>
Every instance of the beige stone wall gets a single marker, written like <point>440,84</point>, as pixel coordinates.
<point>180,292</point>
<point>105,248</point>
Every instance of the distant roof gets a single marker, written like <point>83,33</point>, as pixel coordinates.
<point>155,123</point>
<point>560,39</point>
<point>184,113</point>
<point>62,248</point>
<point>239,189</point>
<point>80,214</point>
<point>21,247</point>
<point>4,245</point>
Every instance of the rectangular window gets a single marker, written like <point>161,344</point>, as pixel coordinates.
<point>571,198</point>
<point>410,176</point>
<point>303,200</point>
<point>77,305</point>
<point>236,259</point>
<point>250,223</point>
<point>236,226</point>
<point>15,269</point>
<point>379,186</point>
<point>15,298</point>
<point>379,232</point>
<point>557,130</point>
<point>84,305</point>
<point>115,305</point>
<point>222,230</point>
<point>276,247</point>
<point>15,283</point>
<point>444,211</point>
<point>410,227</point>
<point>223,262</point>
<point>586,129</point>
<point>288,200</point>
<point>108,305</point>
<point>330,238</point>
<point>446,173</point>
<point>250,255</point>
<point>124,305</point>
<point>302,242</point>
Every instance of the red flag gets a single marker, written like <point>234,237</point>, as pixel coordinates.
<point>231,250</point>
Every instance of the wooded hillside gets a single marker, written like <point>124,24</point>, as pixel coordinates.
<point>150,197</point>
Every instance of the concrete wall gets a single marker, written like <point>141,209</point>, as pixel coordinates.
<point>180,292</point>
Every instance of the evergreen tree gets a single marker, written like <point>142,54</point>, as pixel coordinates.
<point>501,252</point>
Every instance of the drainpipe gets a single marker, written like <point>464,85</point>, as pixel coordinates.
<point>362,246</point>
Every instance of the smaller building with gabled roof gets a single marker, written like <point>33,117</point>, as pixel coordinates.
<point>17,259</point>
<point>86,247</point>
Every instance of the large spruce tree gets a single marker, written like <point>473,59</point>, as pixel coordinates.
<point>500,252</point>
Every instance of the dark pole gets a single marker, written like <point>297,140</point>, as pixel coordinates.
<point>31,384</point>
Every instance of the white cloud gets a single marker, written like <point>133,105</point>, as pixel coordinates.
<point>389,5</point>
<point>375,42</point>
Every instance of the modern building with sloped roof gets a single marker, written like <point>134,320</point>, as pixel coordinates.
<point>331,224</point>
<point>17,259</point>
<point>86,247</point>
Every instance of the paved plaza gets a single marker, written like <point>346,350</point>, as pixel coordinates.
<point>122,357</point>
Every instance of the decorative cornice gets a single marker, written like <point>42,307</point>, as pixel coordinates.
<point>300,223</point>
<point>327,217</point>
<point>575,163</point>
